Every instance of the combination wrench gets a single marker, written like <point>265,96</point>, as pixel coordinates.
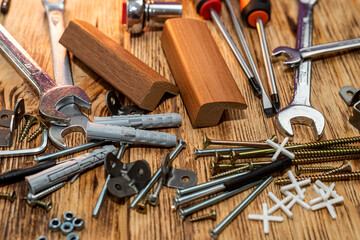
<point>296,56</point>
<point>63,75</point>
<point>299,110</point>
<point>52,96</point>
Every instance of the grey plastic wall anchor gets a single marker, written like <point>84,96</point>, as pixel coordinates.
<point>65,170</point>
<point>142,121</point>
<point>129,135</point>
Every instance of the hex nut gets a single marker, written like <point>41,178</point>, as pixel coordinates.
<point>66,228</point>
<point>42,238</point>
<point>78,224</point>
<point>72,236</point>
<point>68,216</point>
<point>55,224</point>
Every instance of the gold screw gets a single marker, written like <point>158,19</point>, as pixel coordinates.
<point>232,171</point>
<point>208,142</point>
<point>323,159</point>
<point>9,196</point>
<point>211,215</point>
<point>30,120</point>
<point>300,170</point>
<point>345,167</point>
<point>32,202</point>
<point>323,178</point>
<point>37,132</point>
<point>142,206</point>
<point>328,152</point>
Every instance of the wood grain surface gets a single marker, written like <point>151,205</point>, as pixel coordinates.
<point>333,21</point>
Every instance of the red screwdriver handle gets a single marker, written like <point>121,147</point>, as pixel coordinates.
<point>203,7</point>
<point>254,9</point>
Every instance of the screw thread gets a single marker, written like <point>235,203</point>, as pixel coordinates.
<point>328,143</point>
<point>328,152</point>
<point>30,120</point>
<point>158,187</point>
<point>37,132</point>
<point>323,178</point>
<point>210,215</point>
<point>230,172</point>
<point>314,169</point>
<point>323,159</point>
<point>46,205</point>
<point>344,167</point>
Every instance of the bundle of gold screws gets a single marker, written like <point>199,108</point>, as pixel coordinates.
<point>29,122</point>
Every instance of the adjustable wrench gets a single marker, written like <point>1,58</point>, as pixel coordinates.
<point>296,56</point>
<point>62,72</point>
<point>52,96</point>
<point>299,110</point>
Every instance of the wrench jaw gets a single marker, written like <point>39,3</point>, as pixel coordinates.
<point>300,114</point>
<point>56,98</point>
<point>293,55</point>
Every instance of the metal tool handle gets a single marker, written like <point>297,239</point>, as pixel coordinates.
<point>22,61</point>
<point>317,50</point>
<point>302,79</point>
<point>60,56</point>
<point>67,169</point>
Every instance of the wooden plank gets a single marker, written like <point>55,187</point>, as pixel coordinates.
<point>333,21</point>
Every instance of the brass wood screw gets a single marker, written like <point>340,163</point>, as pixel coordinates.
<point>208,142</point>
<point>232,171</point>
<point>8,196</point>
<point>46,205</point>
<point>211,215</point>
<point>300,170</point>
<point>37,132</point>
<point>142,206</point>
<point>323,178</point>
<point>30,120</point>
<point>345,167</point>
<point>323,159</point>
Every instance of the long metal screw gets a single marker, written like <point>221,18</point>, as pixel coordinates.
<point>8,196</point>
<point>181,144</point>
<point>300,170</point>
<point>153,199</point>
<point>328,152</point>
<point>323,178</point>
<point>324,159</point>
<point>211,152</point>
<point>235,168</point>
<point>211,215</point>
<point>208,142</point>
<point>42,194</point>
<point>218,229</point>
<point>232,171</point>
<point>41,128</point>
<point>30,120</point>
<point>345,167</point>
<point>46,205</point>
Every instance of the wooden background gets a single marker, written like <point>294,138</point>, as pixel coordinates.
<point>333,20</point>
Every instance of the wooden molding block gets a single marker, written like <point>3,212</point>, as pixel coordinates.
<point>201,74</point>
<point>129,75</point>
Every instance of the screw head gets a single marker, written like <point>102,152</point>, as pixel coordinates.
<point>12,196</point>
<point>207,141</point>
<point>48,206</point>
<point>212,215</point>
<point>297,170</point>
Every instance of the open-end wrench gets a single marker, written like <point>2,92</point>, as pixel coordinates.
<point>296,56</point>
<point>52,96</point>
<point>62,72</point>
<point>299,110</point>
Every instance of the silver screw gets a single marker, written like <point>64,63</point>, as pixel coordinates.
<point>154,198</point>
<point>42,194</point>
<point>219,228</point>
<point>181,144</point>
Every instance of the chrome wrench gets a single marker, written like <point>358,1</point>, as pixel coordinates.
<point>62,72</point>
<point>296,56</point>
<point>52,96</point>
<point>299,110</point>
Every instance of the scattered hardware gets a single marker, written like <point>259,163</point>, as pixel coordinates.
<point>10,119</point>
<point>141,14</point>
<point>52,96</point>
<point>38,131</point>
<point>8,196</point>
<point>205,108</point>
<point>55,224</point>
<point>296,56</point>
<point>257,13</point>
<point>92,46</point>
<point>126,179</point>
<point>116,108</point>
<point>265,218</point>
<point>129,135</point>
<point>62,74</point>
<point>211,215</point>
<point>299,110</point>
<point>28,152</point>
<point>351,96</point>
<point>70,168</point>
<point>30,121</point>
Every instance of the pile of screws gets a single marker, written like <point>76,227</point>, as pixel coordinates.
<point>30,121</point>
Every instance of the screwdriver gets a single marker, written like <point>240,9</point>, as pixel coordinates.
<point>257,13</point>
<point>209,9</point>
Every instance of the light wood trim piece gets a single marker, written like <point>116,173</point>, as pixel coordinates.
<point>204,80</point>
<point>129,75</point>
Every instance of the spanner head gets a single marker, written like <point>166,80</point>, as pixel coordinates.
<point>293,54</point>
<point>58,97</point>
<point>301,114</point>
<point>77,124</point>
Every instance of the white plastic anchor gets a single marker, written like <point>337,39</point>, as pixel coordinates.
<point>296,199</point>
<point>280,149</point>
<point>265,218</point>
<point>295,185</point>
<point>328,204</point>
<point>280,204</point>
